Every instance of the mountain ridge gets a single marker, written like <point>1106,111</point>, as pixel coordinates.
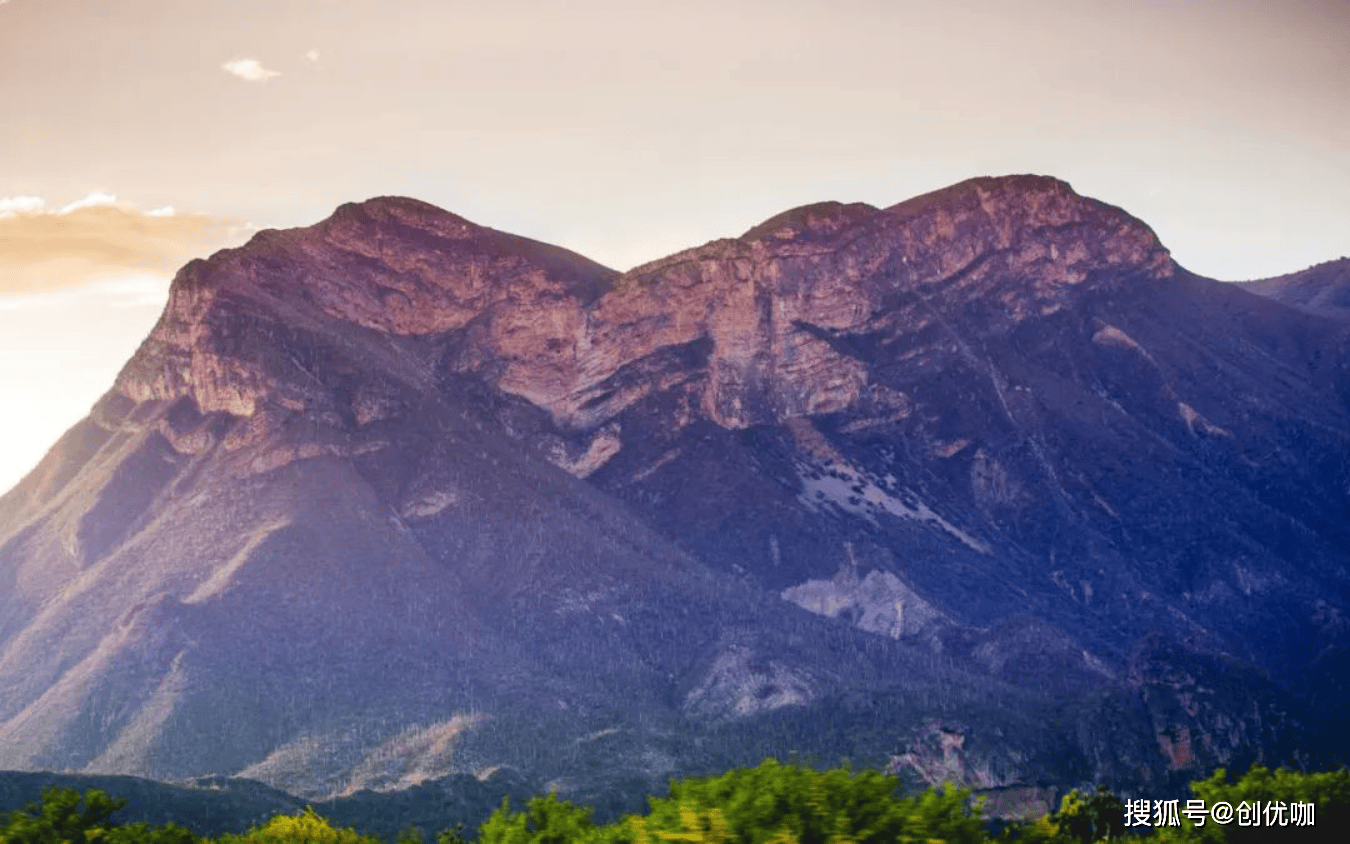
<point>396,496</point>
<point>1322,289</point>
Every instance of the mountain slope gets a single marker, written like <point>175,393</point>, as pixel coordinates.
<point>1323,289</point>
<point>396,496</point>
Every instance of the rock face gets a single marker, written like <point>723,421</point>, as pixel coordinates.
<point>768,305</point>
<point>979,485</point>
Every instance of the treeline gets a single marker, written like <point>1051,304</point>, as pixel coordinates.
<point>785,804</point>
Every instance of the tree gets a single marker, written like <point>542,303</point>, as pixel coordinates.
<point>769,804</point>
<point>1261,799</point>
<point>66,816</point>
<point>453,836</point>
<point>785,803</point>
<point>1088,818</point>
<point>306,828</point>
<point>545,820</point>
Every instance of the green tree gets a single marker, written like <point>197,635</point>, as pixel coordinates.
<point>453,836</point>
<point>66,816</point>
<point>545,820</point>
<point>1088,818</point>
<point>784,804</point>
<point>306,828</point>
<point>1328,793</point>
<point>144,833</point>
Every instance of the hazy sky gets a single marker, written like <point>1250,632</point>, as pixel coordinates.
<point>624,130</point>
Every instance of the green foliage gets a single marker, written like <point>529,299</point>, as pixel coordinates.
<point>1036,831</point>
<point>63,816</point>
<point>453,836</point>
<point>1328,791</point>
<point>67,817</point>
<point>143,833</point>
<point>770,804</point>
<point>1087,818</point>
<point>785,803</point>
<point>545,820</point>
<point>411,835</point>
<point>306,828</point>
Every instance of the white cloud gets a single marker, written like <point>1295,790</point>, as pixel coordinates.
<point>10,205</point>
<point>93,200</point>
<point>312,55</point>
<point>250,70</point>
<point>166,211</point>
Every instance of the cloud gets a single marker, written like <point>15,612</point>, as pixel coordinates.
<point>93,200</point>
<point>10,205</point>
<point>312,55</point>
<point>98,237</point>
<point>250,70</point>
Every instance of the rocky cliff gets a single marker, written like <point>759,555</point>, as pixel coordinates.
<point>979,485</point>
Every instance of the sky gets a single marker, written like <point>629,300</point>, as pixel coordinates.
<point>135,135</point>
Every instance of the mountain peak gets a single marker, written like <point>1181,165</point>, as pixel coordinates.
<point>1034,237</point>
<point>819,218</point>
<point>390,204</point>
<point>1026,203</point>
<point>399,211</point>
<point>385,267</point>
<point>1040,217</point>
<point>1022,188</point>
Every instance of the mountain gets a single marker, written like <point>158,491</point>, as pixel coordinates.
<point>981,486</point>
<point>208,808</point>
<point>212,806</point>
<point>1322,289</point>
